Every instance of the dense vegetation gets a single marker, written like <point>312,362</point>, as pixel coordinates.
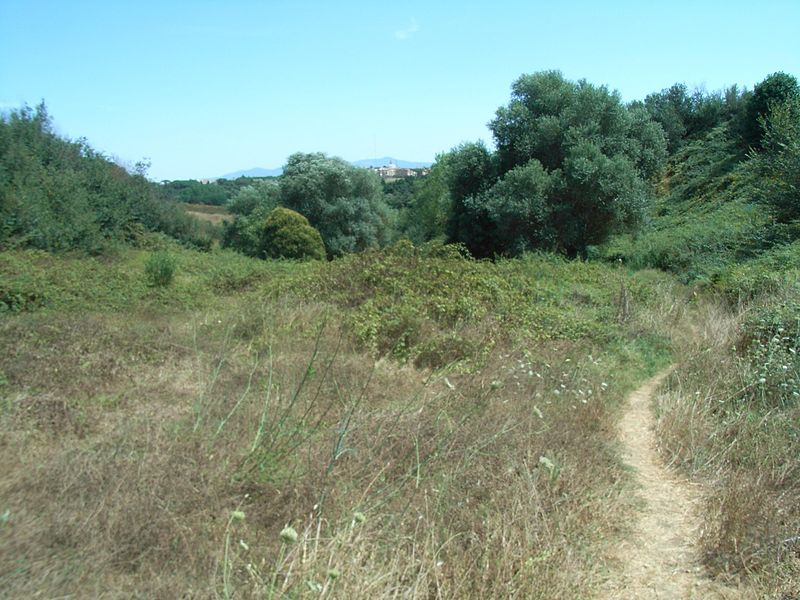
<point>397,417</point>
<point>58,195</point>
<point>288,234</point>
<point>726,220</point>
<point>218,192</point>
<point>571,167</point>
<point>344,203</point>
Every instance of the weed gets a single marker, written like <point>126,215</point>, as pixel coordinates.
<point>160,269</point>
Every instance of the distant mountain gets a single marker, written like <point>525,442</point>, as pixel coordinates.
<point>364,163</point>
<point>255,172</point>
<point>386,160</point>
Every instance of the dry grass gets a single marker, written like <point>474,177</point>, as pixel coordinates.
<point>748,453</point>
<point>130,442</point>
<point>154,450</point>
<point>211,213</point>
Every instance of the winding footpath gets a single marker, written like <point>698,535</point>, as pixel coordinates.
<point>659,560</point>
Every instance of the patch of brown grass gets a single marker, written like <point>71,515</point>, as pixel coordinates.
<point>749,455</point>
<point>130,442</point>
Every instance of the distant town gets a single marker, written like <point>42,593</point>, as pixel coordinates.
<point>391,172</point>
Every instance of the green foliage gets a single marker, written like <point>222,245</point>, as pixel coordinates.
<point>252,204</point>
<point>776,169</point>
<point>706,218</point>
<point>58,195</point>
<point>400,192</point>
<point>585,159</point>
<point>32,280</point>
<point>424,217</point>
<point>518,206</point>
<point>432,305</point>
<point>343,202</point>
<point>766,274</point>
<point>261,194</point>
<point>191,191</point>
<point>470,170</point>
<point>287,234</point>
<point>686,116</point>
<point>548,115</point>
<point>160,269</point>
<point>774,90</point>
<point>772,338</point>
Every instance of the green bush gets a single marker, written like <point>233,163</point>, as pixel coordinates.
<point>160,269</point>
<point>288,234</point>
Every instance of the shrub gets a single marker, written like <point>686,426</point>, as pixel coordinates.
<point>288,234</point>
<point>160,269</point>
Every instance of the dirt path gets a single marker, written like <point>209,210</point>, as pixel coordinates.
<point>659,560</point>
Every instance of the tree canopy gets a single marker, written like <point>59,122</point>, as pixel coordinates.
<point>344,203</point>
<point>774,90</point>
<point>572,166</point>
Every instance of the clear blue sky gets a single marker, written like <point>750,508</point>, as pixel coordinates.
<point>205,88</point>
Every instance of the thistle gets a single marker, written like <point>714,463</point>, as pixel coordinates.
<point>289,535</point>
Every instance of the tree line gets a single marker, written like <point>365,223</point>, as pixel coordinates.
<point>572,165</point>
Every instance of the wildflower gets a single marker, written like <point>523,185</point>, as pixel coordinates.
<point>762,380</point>
<point>289,535</point>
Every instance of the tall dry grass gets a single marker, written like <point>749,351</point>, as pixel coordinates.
<point>162,456</point>
<point>717,420</point>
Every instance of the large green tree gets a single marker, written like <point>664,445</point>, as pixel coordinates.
<point>774,90</point>
<point>573,165</point>
<point>345,203</point>
<point>425,216</point>
<point>470,171</point>
<point>251,205</point>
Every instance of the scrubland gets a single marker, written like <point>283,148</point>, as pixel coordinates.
<point>408,423</point>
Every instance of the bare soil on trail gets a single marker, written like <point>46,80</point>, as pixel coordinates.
<point>659,559</point>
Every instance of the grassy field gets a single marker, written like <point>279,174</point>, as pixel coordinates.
<point>208,212</point>
<point>406,423</point>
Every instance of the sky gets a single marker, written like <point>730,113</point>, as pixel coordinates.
<point>205,88</point>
